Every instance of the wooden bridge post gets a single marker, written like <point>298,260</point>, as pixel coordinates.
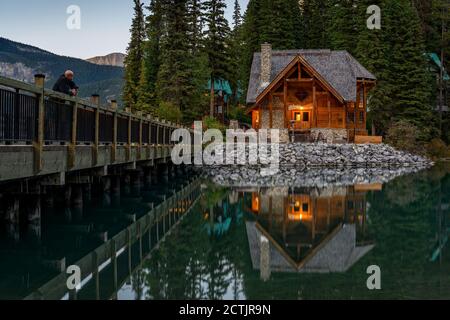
<point>129,251</point>
<point>96,274</point>
<point>141,124</point>
<point>95,99</point>
<point>164,139</point>
<point>157,138</point>
<point>114,142</point>
<point>39,81</point>
<point>150,220</point>
<point>113,254</point>
<point>129,140</point>
<point>149,118</point>
<point>139,233</point>
<point>73,137</point>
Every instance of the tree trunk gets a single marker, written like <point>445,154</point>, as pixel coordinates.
<point>212,103</point>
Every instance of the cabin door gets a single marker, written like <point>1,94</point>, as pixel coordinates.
<point>302,120</point>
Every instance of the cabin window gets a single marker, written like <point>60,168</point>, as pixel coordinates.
<point>255,119</point>
<point>361,117</point>
<point>339,117</point>
<point>297,116</point>
<point>350,117</point>
<point>306,116</point>
<point>305,207</point>
<point>361,98</point>
<point>350,205</point>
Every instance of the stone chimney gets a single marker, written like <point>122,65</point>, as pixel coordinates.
<point>266,64</point>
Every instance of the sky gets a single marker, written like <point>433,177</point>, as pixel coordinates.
<point>104,26</point>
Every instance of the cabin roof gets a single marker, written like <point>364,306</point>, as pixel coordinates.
<point>339,68</point>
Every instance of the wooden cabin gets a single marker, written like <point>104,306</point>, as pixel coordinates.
<point>310,95</point>
<point>222,95</point>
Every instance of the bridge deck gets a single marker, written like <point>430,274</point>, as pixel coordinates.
<point>43,132</point>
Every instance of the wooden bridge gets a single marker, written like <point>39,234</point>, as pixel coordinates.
<point>47,134</point>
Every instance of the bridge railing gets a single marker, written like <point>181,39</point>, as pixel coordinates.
<point>33,115</point>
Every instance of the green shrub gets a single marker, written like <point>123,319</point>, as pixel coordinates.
<point>213,123</point>
<point>168,111</point>
<point>437,149</point>
<point>239,113</point>
<point>403,135</point>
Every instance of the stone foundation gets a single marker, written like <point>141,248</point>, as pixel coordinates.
<point>278,123</point>
<point>329,135</point>
<point>314,165</point>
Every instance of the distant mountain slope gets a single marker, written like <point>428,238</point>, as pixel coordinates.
<point>113,59</point>
<point>22,62</point>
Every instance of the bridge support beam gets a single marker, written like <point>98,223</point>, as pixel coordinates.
<point>115,184</point>
<point>77,196</point>
<point>32,208</point>
<point>105,183</point>
<point>10,214</point>
<point>58,179</point>
<point>147,172</point>
<point>163,171</point>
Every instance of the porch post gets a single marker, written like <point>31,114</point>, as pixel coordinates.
<point>286,123</point>
<point>329,109</point>
<point>271,109</point>
<point>365,104</point>
<point>316,113</point>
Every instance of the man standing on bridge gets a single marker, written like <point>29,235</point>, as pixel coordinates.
<point>66,85</point>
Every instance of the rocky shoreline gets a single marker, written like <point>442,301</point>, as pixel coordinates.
<point>320,165</point>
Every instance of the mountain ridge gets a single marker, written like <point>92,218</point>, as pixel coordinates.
<point>112,59</point>
<point>21,62</point>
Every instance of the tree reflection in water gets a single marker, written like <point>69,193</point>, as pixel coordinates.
<point>208,255</point>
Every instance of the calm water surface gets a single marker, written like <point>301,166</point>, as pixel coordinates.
<point>331,235</point>
<point>321,242</point>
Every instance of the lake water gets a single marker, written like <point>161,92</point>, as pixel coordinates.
<point>251,243</point>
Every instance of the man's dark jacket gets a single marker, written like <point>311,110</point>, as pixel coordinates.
<point>64,85</point>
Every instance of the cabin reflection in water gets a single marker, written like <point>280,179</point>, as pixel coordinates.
<point>309,230</point>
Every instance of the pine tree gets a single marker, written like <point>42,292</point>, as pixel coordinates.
<point>281,24</point>
<point>152,56</point>
<point>196,23</point>
<point>174,83</point>
<point>216,37</point>
<point>407,70</point>
<point>251,36</point>
<point>343,24</point>
<point>315,24</point>
<point>237,15</point>
<point>235,47</point>
<point>133,60</point>
<point>371,51</point>
<point>396,55</point>
<point>278,22</point>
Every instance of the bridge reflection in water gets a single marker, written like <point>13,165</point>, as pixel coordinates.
<point>108,239</point>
